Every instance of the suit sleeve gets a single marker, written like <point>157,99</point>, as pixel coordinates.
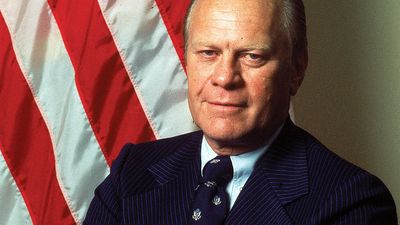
<point>105,206</point>
<point>363,199</point>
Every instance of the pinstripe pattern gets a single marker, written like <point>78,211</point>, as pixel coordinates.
<point>297,181</point>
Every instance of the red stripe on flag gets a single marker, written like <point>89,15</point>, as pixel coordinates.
<point>26,143</point>
<point>107,93</point>
<point>173,15</point>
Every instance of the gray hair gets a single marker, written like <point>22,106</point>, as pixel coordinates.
<point>293,21</point>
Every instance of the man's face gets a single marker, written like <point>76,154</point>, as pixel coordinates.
<point>239,72</point>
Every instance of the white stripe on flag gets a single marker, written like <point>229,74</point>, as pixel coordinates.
<point>46,65</point>
<point>152,63</point>
<point>12,204</point>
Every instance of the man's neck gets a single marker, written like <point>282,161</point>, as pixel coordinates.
<point>237,148</point>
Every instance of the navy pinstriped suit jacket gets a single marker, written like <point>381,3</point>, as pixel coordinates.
<point>297,181</point>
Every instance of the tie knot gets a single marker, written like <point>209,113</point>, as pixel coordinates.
<point>218,170</point>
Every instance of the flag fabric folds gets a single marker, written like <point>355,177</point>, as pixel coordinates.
<point>78,80</point>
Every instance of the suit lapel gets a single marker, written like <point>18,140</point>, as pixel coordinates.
<point>280,177</point>
<point>177,176</point>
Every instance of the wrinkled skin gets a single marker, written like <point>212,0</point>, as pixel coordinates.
<point>240,72</point>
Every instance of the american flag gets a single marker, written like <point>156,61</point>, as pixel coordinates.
<point>79,79</point>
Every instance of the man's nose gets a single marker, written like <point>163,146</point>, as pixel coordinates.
<point>227,73</point>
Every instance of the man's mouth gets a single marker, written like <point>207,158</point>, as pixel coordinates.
<point>226,106</point>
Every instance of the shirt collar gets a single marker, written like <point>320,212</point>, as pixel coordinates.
<point>243,164</point>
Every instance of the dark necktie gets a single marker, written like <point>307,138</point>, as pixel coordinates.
<point>211,205</point>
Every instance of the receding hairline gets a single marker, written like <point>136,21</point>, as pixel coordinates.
<point>291,23</point>
<point>189,15</point>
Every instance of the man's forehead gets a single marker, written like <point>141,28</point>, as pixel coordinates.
<point>240,14</point>
<point>238,6</point>
<point>214,22</point>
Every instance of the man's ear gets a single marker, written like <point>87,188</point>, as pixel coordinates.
<point>300,61</point>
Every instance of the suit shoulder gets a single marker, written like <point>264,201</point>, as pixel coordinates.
<point>149,152</point>
<point>322,160</point>
<point>131,166</point>
<point>327,170</point>
<point>338,187</point>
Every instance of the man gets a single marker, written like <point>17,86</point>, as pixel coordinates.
<point>245,59</point>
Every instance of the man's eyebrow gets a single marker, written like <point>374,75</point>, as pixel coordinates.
<point>261,47</point>
<point>202,44</point>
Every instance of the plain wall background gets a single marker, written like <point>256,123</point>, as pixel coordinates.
<point>350,98</point>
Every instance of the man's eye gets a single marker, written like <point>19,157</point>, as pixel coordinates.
<point>208,53</point>
<point>253,59</point>
<point>252,56</point>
